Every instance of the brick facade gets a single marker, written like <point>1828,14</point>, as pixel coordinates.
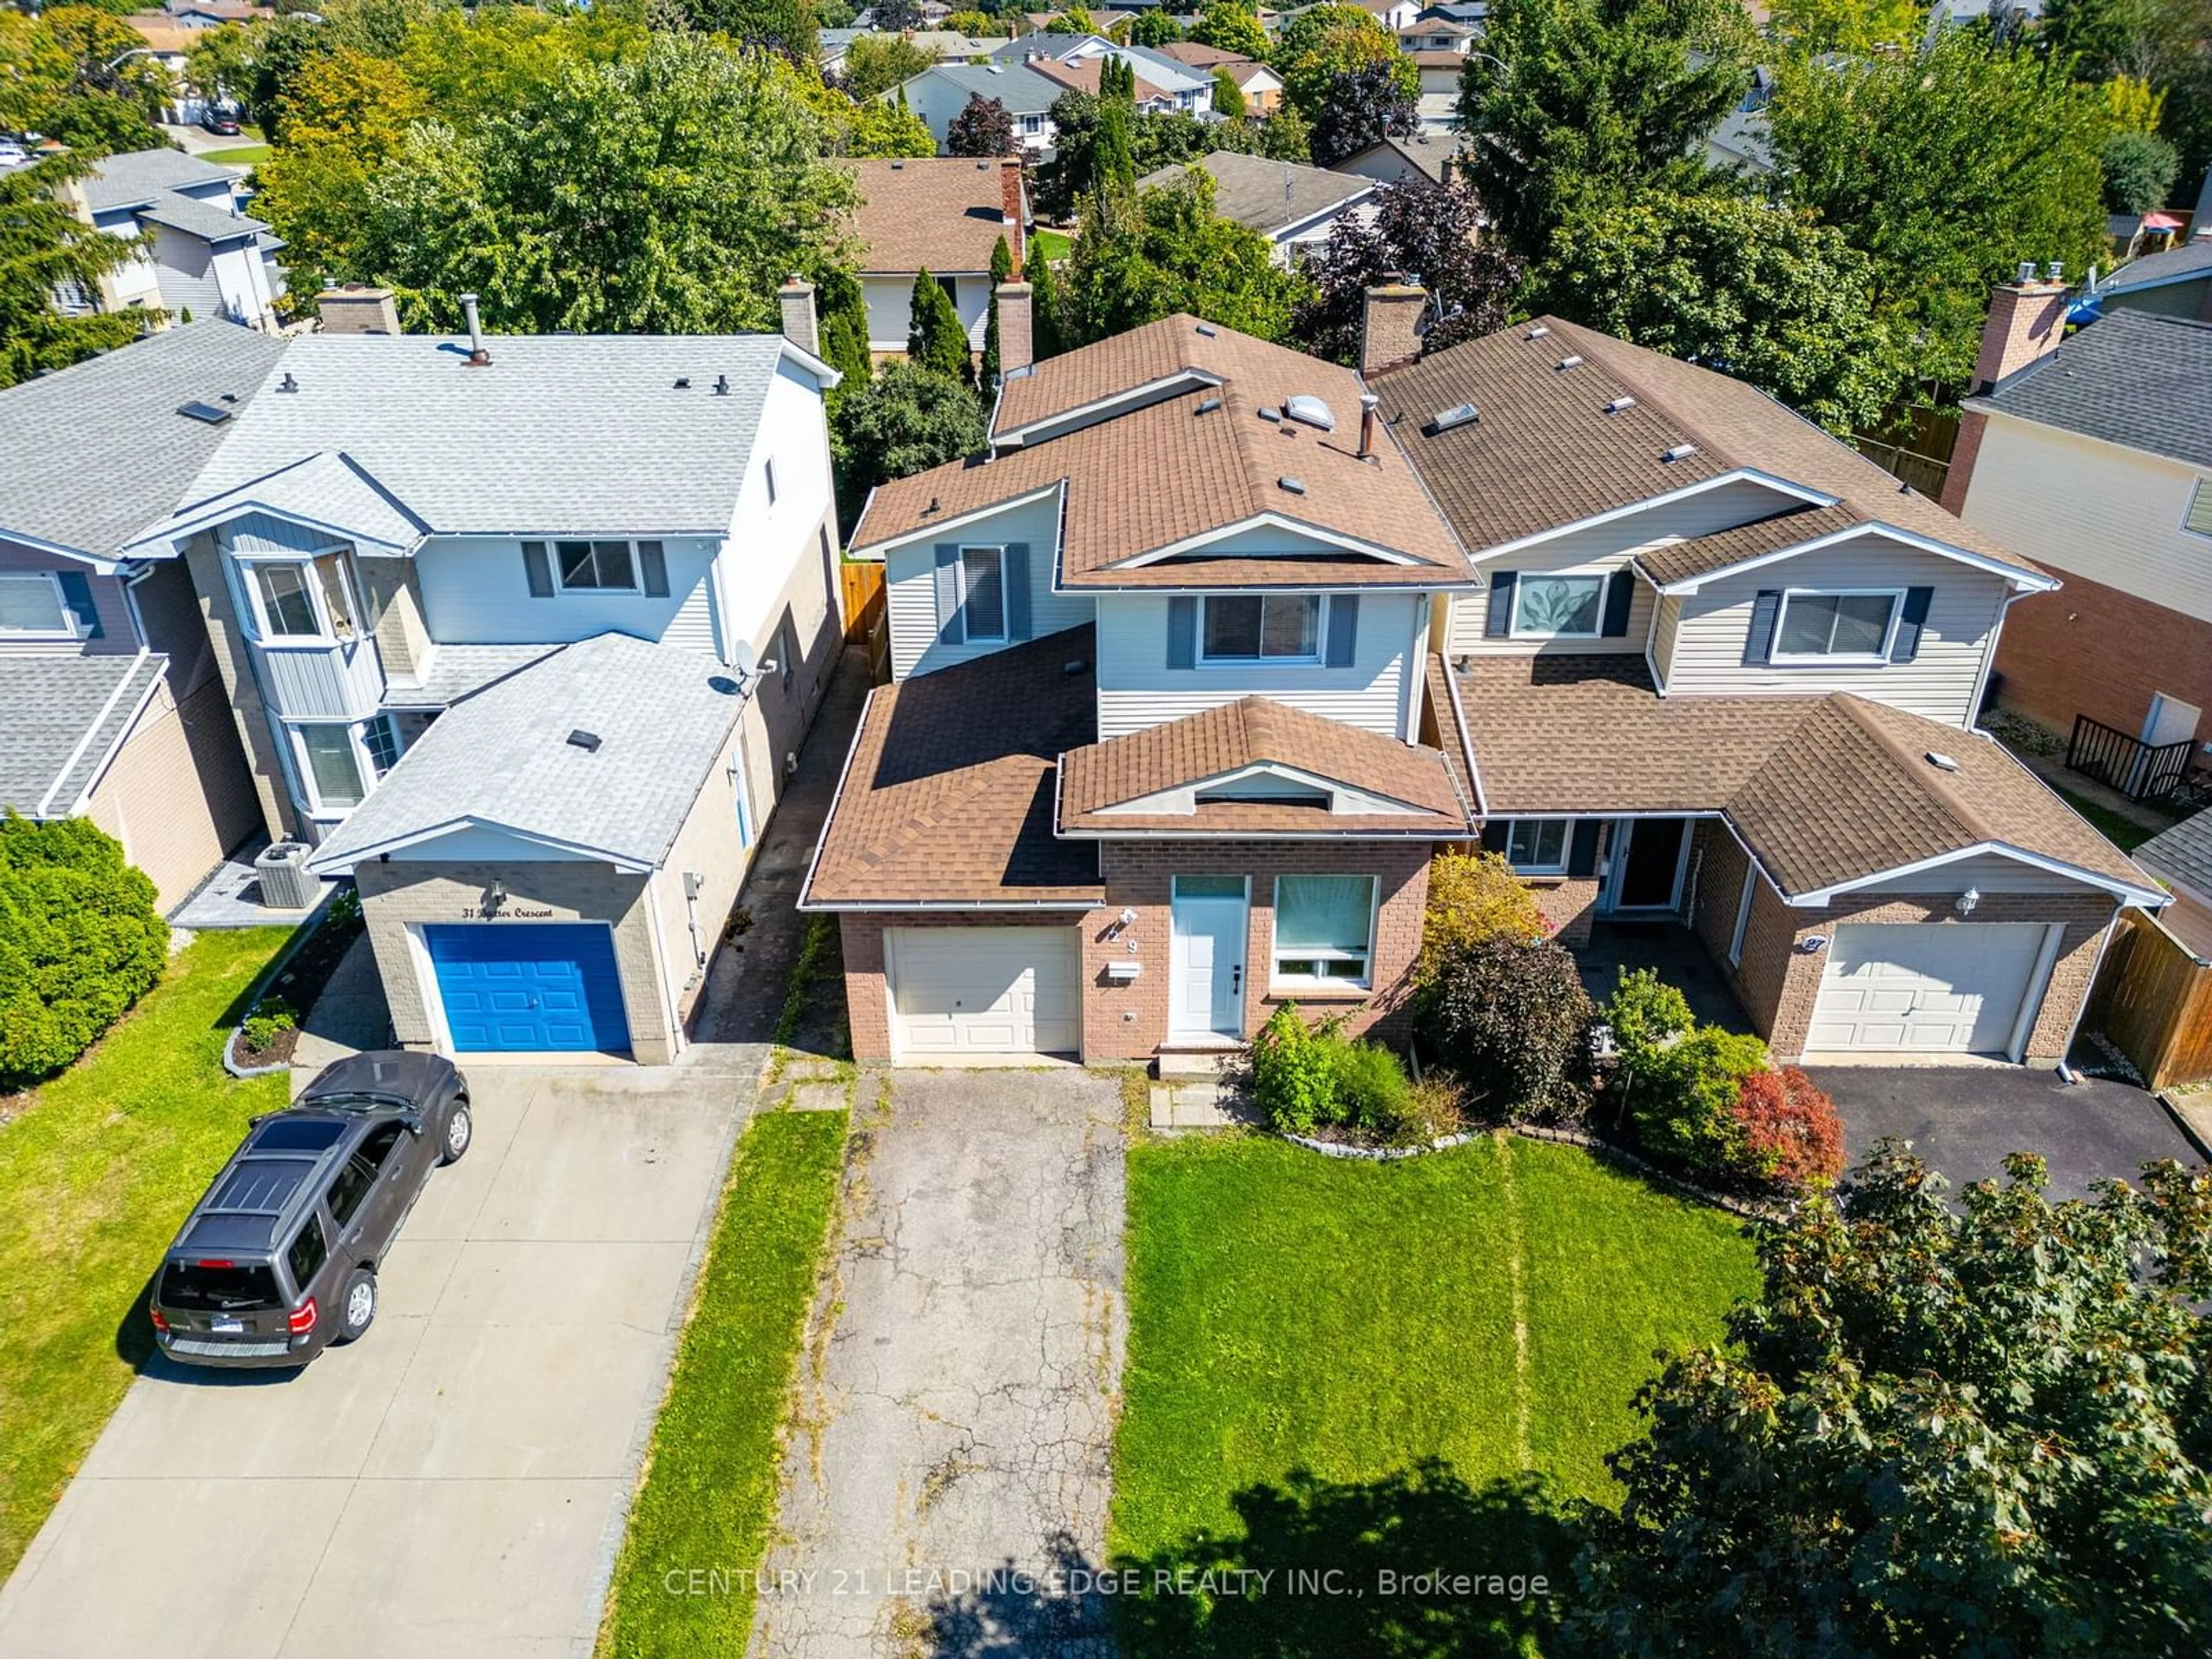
<point>2090,649</point>
<point>1778,980</point>
<point>1128,1020</point>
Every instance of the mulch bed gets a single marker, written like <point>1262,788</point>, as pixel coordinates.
<point>299,983</point>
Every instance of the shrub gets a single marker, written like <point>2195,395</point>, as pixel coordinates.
<point>80,942</point>
<point>1683,1110</point>
<point>344,908</point>
<point>1294,1070</point>
<point>1509,1016</point>
<point>1434,1108</point>
<point>1791,1135</point>
<point>1472,897</point>
<point>1371,1090</point>
<point>271,1018</point>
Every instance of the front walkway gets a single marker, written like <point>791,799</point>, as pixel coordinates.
<point>958,1393</point>
<point>1672,950</point>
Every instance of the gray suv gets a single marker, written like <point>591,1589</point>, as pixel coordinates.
<point>278,1259</point>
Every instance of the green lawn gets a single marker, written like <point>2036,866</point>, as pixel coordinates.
<point>1052,245</point>
<point>95,1176</point>
<point>1334,1363</point>
<point>2124,833</point>
<point>710,1495</point>
<point>238,155</point>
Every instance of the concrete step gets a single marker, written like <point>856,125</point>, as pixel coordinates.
<point>1195,1062</point>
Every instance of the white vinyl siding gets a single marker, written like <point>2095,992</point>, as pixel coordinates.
<point>911,574</point>
<point>1987,873</point>
<point>768,545</point>
<point>1706,657</point>
<point>1600,548</point>
<point>1137,690</point>
<point>889,301</point>
<point>474,592</point>
<point>2113,516</point>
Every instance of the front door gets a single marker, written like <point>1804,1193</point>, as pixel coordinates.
<point>1649,863</point>
<point>1206,972</point>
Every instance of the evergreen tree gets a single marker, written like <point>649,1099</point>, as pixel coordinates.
<point>934,338</point>
<point>1002,267</point>
<point>844,334</point>
<point>1115,160</point>
<point>1044,313</point>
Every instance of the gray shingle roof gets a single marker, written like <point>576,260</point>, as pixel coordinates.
<point>90,454</point>
<point>582,435</point>
<point>2191,258</point>
<point>63,717</point>
<point>1019,88</point>
<point>142,175</point>
<point>2183,853</point>
<point>501,759</point>
<point>205,220</point>
<point>2134,379</point>
<point>457,671</point>
<point>1269,196</point>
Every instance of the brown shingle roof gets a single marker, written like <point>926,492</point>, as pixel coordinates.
<point>1250,731</point>
<point>1545,453</point>
<point>1701,555</point>
<point>1082,75</point>
<point>947,797</point>
<point>941,214</point>
<point>1164,472</point>
<point>1825,789</point>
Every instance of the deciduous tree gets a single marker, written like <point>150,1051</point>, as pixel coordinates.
<point>1363,106</point>
<point>1154,28</point>
<point>905,420</point>
<point>787,24</point>
<point>1421,230</point>
<point>2139,169</point>
<point>1232,26</point>
<point>1323,43</point>
<point>982,128</point>
<point>874,63</point>
<point>1166,250</point>
<point>1974,1430</point>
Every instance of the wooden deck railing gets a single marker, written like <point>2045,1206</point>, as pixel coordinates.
<point>2139,770</point>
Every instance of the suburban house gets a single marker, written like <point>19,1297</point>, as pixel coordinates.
<point>524,633</point>
<point>943,214</point>
<point>946,45</point>
<point>2175,284</point>
<point>1431,156</point>
<point>2182,858</point>
<point>1154,762</point>
<point>1262,87</point>
<point>113,708</point>
<point>1162,81</point>
<point>2095,458</point>
<point>939,93</point>
<point>1294,207</point>
<point>208,256</point>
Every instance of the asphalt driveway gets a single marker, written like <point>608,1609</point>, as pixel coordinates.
<point>1964,1120</point>
<point>455,1484</point>
<point>958,1397</point>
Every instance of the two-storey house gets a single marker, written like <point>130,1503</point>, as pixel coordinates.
<point>204,254</point>
<point>110,706</point>
<point>1197,671</point>
<point>525,633</point>
<point>945,214</point>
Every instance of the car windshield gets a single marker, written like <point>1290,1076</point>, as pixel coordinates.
<point>218,1286</point>
<point>354,1102</point>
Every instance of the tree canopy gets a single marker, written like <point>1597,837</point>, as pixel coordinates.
<point>1939,1431</point>
<point>906,420</point>
<point>1362,105</point>
<point>44,248</point>
<point>1232,26</point>
<point>1422,230</point>
<point>982,128</point>
<point>1323,43</point>
<point>874,63</point>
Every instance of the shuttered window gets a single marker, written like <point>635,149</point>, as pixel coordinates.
<point>2200,509</point>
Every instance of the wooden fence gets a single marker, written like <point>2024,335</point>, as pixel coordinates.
<point>867,619</point>
<point>2153,999</point>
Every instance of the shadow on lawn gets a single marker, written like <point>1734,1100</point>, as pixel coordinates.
<point>1416,1565</point>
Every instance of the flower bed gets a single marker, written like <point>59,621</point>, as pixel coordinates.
<point>265,1038</point>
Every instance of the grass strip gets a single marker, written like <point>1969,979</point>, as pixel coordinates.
<point>685,1584</point>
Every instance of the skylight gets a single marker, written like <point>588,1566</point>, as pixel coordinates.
<point>1447,420</point>
<point>213,414</point>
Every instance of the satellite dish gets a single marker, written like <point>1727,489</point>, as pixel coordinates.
<point>743,661</point>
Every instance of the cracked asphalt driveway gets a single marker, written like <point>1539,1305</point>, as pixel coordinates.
<point>963,1366</point>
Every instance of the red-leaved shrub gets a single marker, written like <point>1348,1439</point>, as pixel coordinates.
<point>1791,1135</point>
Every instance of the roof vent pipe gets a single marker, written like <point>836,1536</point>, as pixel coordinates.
<point>478,357</point>
<point>1369,403</point>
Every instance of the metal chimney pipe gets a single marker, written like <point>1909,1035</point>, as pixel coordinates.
<point>478,357</point>
<point>1367,404</point>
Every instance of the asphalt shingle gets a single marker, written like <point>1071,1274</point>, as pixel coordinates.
<point>1266,196</point>
<point>145,175</point>
<point>2183,853</point>
<point>63,717</point>
<point>2134,379</point>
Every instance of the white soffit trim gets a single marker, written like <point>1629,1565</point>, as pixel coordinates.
<point>1270,520</point>
<point>930,533</point>
<point>2148,898</point>
<point>625,863</point>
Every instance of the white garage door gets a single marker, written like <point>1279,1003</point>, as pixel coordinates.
<point>983,991</point>
<point>1925,988</point>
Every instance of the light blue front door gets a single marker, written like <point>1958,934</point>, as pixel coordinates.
<point>529,988</point>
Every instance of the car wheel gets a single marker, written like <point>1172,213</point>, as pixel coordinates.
<point>356,1306</point>
<point>460,1130</point>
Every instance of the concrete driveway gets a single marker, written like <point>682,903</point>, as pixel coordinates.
<point>455,1484</point>
<point>959,1393</point>
<point>1964,1120</point>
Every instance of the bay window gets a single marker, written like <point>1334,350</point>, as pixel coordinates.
<point>1260,628</point>
<point>303,598</point>
<point>333,768</point>
<point>1843,624</point>
<point>1324,931</point>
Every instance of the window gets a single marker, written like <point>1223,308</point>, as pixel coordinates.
<point>1834,624</point>
<point>951,287</point>
<point>333,768</point>
<point>1537,847</point>
<point>308,1254</point>
<point>381,738</point>
<point>2199,519</point>
<point>787,654</point>
<point>218,1286</point>
<point>1324,930</point>
<point>983,583</point>
<point>1033,124</point>
<point>606,566</point>
<point>1262,628</point>
<point>1206,887</point>
<point>306,599</point>
<point>33,604</point>
<point>1555,606</point>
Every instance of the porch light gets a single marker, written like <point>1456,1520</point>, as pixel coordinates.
<point>498,894</point>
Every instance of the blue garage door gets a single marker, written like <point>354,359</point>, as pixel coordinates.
<point>529,988</point>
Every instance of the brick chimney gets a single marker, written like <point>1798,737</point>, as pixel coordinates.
<point>2028,318</point>
<point>1009,209</point>
<point>1388,323</point>
<point>796,297</point>
<point>1016,347</point>
<point>2027,321</point>
<point>357,308</point>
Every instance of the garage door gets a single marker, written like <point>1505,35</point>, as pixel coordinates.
<point>1922,988</point>
<point>983,991</point>
<point>529,988</point>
